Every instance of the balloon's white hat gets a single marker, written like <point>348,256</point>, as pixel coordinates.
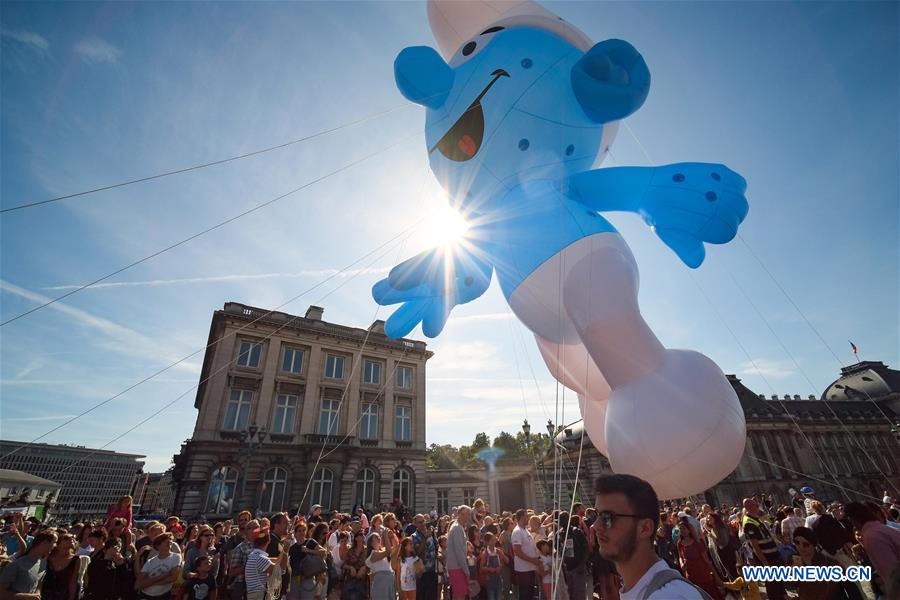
<point>455,22</point>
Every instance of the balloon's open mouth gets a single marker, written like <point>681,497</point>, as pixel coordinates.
<point>462,141</point>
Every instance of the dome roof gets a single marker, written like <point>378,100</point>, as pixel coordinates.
<point>864,381</point>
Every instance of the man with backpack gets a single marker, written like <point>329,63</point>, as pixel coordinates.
<point>573,546</point>
<point>627,515</point>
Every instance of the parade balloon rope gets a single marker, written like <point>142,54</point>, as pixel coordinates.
<point>262,316</point>
<point>809,381</point>
<point>221,161</point>
<point>406,232</point>
<point>322,453</point>
<point>208,229</point>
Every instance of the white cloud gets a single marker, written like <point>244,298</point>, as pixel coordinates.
<point>459,358</point>
<point>774,369</point>
<point>28,38</point>
<point>96,50</point>
<point>226,278</point>
<point>483,317</point>
<point>121,339</point>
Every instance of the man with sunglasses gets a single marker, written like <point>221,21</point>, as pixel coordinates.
<point>627,515</point>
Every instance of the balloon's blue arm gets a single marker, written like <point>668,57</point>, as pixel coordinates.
<point>687,204</point>
<point>429,285</point>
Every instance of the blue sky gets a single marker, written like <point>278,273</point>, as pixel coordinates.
<point>801,98</point>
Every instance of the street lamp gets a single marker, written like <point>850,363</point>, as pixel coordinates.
<point>251,439</point>
<point>539,465</point>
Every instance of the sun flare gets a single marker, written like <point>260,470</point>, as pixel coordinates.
<point>446,227</point>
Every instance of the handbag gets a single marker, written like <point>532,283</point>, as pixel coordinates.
<point>313,565</point>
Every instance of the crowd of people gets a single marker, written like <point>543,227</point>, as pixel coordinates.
<point>628,546</point>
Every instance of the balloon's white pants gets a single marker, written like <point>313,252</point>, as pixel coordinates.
<point>667,416</point>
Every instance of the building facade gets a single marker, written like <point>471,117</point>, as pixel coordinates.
<point>91,479</point>
<point>294,411</point>
<point>845,444</point>
<point>154,493</point>
<point>26,493</point>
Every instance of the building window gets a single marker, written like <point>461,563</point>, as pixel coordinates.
<point>237,412</point>
<point>285,413</point>
<point>292,361</point>
<point>274,484</point>
<point>248,354</point>
<point>443,502</point>
<point>328,417</point>
<point>405,378</point>
<point>334,366</point>
<point>469,496</point>
<point>372,372</point>
<point>222,485</point>
<point>403,423</point>
<point>323,480</point>
<point>368,425</point>
<point>365,487</point>
<point>402,487</point>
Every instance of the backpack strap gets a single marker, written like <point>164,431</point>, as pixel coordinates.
<point>667,576</point>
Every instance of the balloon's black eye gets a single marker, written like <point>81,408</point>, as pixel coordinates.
<point>494,29</point>
<point>469,48</point>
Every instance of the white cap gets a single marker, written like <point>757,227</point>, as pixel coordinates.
<point>454,22</point>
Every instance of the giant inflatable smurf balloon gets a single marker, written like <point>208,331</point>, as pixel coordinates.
<point>519,104</point>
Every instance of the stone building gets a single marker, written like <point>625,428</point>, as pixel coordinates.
<point>294,411</point>
<point>846,444</point>
<point>153,493</point>
<point>91,479</point>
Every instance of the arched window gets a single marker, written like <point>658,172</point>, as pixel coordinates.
<point>272,495</point>
<point>365,487</point>
<point>323,481</point>
<point>402,487</point>
<point>222,487</point>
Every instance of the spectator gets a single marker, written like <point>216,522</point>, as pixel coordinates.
<point>881,543</point>
<point>526,561</point>
<point>258,566</point>
<point>159,572</point>
<point>627,513</point>
<point>379,562</point>
<point>762,544</point>
<point>808,554</point>
<point>792,521</point>
<point>21,576</point>
<point>456,554</point>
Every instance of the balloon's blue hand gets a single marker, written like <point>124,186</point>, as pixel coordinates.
<point>691,203</point>
<point>429,285</point>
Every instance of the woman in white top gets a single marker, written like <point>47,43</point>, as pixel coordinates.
<point>379,562</point>
<point>407,570</point>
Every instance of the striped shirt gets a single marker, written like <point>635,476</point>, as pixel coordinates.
<point>255,572</point>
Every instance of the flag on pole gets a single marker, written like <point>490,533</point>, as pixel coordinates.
<point>852,346</point>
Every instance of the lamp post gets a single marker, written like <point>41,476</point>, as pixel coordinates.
<point>252,439</point>
<point>539,464</point>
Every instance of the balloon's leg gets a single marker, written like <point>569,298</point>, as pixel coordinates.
<point>574,367</point>
<point>672,417</point>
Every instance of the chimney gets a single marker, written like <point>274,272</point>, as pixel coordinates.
<point>314,312</point>
<point>774,398</point>
<point>787,397</point>
<point>796,396</point>
<point>811,397</point>
<point>377,327</point>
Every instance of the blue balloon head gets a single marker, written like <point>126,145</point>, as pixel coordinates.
<point>516,104</point>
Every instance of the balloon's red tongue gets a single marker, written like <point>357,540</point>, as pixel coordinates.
<point>467,145</point>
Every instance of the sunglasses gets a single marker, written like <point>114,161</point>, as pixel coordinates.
<point>608,517</point>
